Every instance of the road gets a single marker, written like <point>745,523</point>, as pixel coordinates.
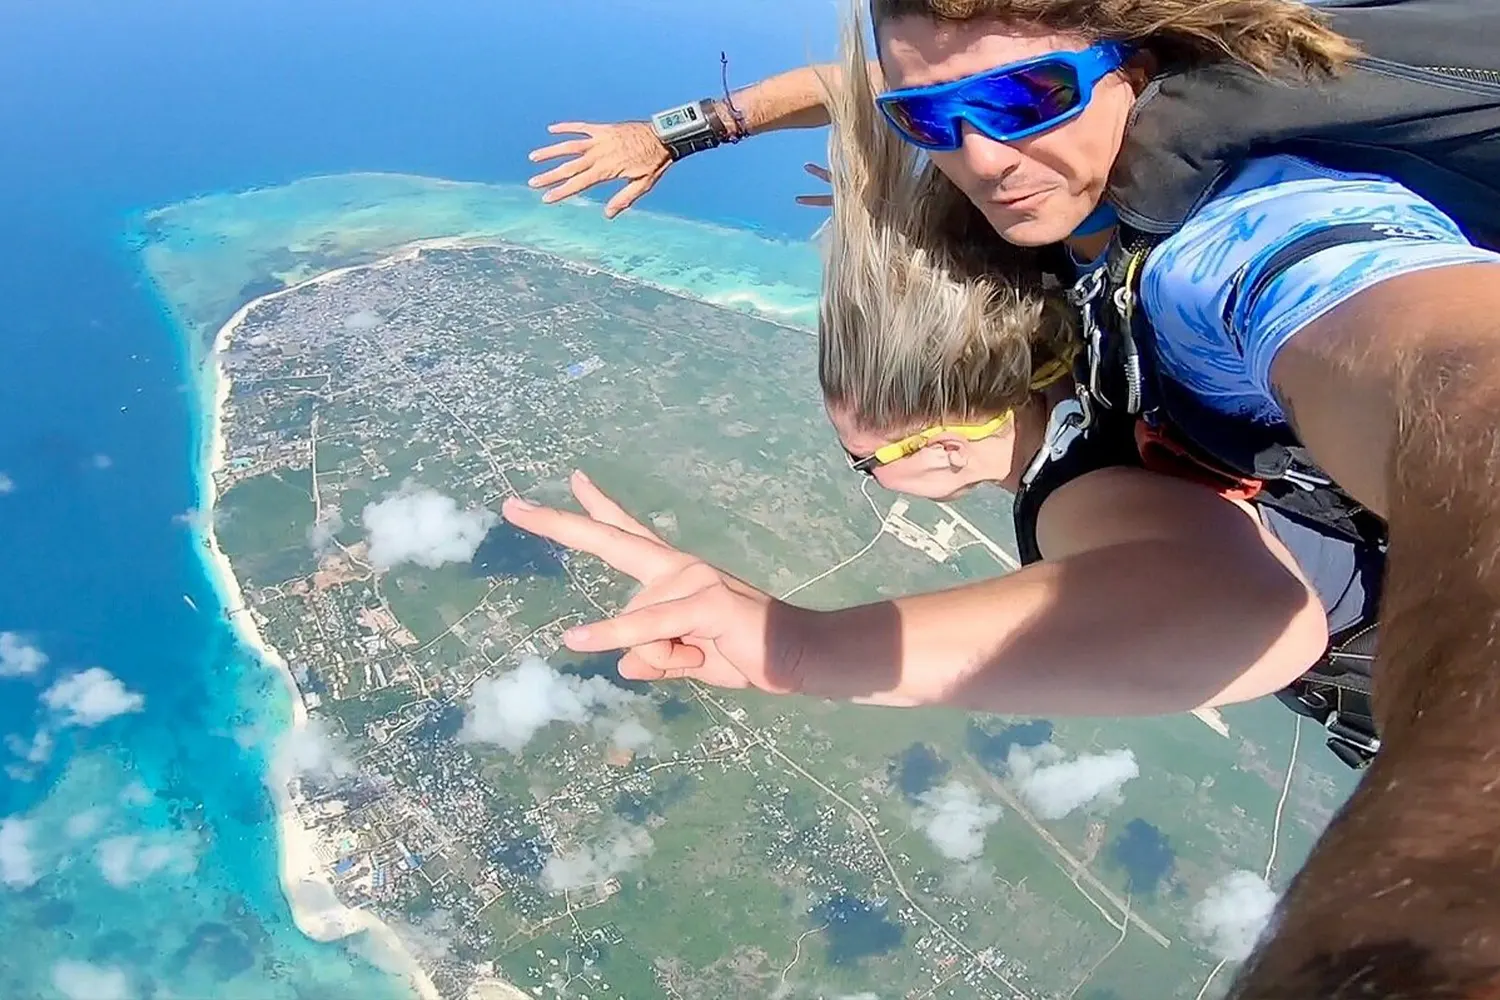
<point>1073,863</point>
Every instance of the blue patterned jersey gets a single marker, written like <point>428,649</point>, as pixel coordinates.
<point>1218,342</point>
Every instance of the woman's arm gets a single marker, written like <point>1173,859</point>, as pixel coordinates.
<point>1158,596</point>
<point>1162,597</point>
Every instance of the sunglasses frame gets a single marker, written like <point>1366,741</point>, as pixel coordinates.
<point>1089,66</point>
<point>1045,375</point>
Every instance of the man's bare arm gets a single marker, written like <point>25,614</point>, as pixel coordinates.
<point>794,99</point>
<point>630,151</point>
<point>1397,393</point>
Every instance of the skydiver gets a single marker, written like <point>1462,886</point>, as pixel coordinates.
<point>1248,280</point>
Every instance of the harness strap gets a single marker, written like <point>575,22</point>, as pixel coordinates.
<point>1118,378</point>
<point>1337,694</point>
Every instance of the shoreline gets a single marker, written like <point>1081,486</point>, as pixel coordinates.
<point>298,862</point>
<point>297,858</point>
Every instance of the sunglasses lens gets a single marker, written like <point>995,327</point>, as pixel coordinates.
<point>924,122</point>
<point>1002,105</point>
<point>1025,99</point>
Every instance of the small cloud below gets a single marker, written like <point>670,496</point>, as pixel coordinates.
<point>91,698</point>
<point>18,866</point>
<point>33,754</point>
<point>18,656</point>
<point>510,709</point>
<point>365,319</point>
<point>422,526</point>
<point>314,750</point>
<point>7,484</point>
<point>1053,786</point>
<point>429,938</point>
<point>612,854</point>
<point>126,860</point>
<point>1231,916</point>
<point>81,826</point>
<point>322,534</point>
<point>135,794</point>
<point>955,818</point>
<point>102,462</point>
<point>86,981</point>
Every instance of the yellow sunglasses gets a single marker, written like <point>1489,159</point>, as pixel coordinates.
<point>1044,376</point>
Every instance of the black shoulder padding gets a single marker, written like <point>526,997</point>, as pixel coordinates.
<point>1107,443</point>
<point>1422,108</point>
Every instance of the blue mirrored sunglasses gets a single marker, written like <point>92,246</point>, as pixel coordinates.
<point>1005,103</point>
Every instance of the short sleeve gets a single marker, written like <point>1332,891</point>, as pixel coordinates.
<point>1284,242</point>
<point>1289,285</point>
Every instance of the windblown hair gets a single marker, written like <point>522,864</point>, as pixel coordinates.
<point>1273,37</point>
<point>927,316</point>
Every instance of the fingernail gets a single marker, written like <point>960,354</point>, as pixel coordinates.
<point>582,475</point>
<point>577,634</point>
<point>522,503</point>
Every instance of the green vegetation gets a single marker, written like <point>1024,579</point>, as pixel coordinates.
<point>495,371</point>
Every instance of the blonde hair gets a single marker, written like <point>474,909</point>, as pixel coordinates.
<point>927,315</point>
<point>1272,37</point>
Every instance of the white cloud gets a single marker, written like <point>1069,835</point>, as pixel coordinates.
<point>18,868</point>
<point>86,823</point>
<point>429,938</point>
<point>7,484</point>
<point>617,851</point>
<point>135,794</point>
<point>321,535</point>
<point>1053,787</point>
<point>510,709</point>
<point>126,860</point>
<point>627,734</point>
<point>1232,915</point>
<point>19,658</point>
<point>365,319</point>
<point>425,527</point>
<point>90,698</point>
<point>954,818</point>
<point>313,750</point>
<point>33,753</point>
<point>84,981</point>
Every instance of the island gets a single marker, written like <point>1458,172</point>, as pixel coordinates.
<point>517,819</point>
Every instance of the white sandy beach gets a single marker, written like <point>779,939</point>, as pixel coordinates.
<point>308,891</point>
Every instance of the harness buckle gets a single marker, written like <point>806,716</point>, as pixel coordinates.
<point>1068,420</point>
<point>1082,295</point>
<point>1355,744</point>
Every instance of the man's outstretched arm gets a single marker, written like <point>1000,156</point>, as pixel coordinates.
<point>630,151</point>
<point>1397,393</point>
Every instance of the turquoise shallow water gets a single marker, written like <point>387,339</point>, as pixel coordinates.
<point>113,111</point>
<point>212,252</point>
<point>160,813</point>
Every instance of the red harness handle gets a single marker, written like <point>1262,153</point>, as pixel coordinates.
<point>1160,452</point>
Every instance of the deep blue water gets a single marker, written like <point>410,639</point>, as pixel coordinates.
<point>106,109</point>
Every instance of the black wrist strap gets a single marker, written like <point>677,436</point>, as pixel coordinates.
<point>678,148</point>
<point>717,135</point>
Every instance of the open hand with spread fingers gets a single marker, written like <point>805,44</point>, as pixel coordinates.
<point>627,151</point>
<point>688,620</point>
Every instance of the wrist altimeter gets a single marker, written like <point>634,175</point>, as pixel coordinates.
<point>690,128</point>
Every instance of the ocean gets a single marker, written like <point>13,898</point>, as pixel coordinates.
<point>139,854</point>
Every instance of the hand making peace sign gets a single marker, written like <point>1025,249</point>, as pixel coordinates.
<point>688,620</point>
